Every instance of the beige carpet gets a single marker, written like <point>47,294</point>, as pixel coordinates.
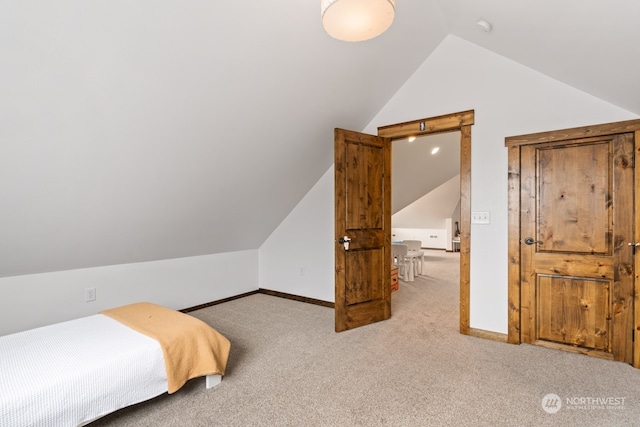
<point>289,368</point>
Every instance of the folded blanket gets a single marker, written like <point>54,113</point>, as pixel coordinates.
<point>191,348</point>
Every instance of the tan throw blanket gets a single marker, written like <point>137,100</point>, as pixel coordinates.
<point>191,348</point>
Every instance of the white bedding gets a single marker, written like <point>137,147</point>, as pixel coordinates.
<point>74,372</point>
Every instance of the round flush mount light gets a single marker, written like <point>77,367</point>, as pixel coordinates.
<point>484,26</point>
<point>356,20</point>
<point>435,150</point>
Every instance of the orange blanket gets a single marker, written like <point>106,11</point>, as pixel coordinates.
<point>191,348</point>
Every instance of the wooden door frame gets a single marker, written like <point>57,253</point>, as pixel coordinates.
<point>513,144</point>
<point>455,122</point>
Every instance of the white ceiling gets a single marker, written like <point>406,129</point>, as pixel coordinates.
<point>135,131</point>
<point>415,171</point>
<point>591,45</point>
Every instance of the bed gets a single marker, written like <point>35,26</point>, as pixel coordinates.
<point>74,372</point>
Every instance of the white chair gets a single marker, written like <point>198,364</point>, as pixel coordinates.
<point>413,245</point>
<point>415,252</point>
<point>402,261</point>
<point>455,244</point>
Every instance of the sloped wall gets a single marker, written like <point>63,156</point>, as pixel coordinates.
<point>426,218</point>
<point>432,209</point>
<point>508,99</point>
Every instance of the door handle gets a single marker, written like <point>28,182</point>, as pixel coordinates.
<point>634,244</point>
<point>344,241</point>
<point>531,241</point>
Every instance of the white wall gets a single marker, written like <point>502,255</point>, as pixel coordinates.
<point>425,219</point>
<point>434,238</point>
<point>508,99</point>
<point>298,256</point>
<point>39,299</point>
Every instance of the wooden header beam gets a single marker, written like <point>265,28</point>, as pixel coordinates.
<point>446,123</point>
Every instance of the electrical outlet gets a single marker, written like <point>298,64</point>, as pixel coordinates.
<point>90,294</point>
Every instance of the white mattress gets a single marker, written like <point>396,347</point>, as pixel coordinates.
<point>71,373</point>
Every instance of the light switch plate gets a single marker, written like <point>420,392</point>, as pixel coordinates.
<point>480,218</point>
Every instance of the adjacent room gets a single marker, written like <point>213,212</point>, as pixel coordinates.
<point>187,155</point>
<point>425,193</point>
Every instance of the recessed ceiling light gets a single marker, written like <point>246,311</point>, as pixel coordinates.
<point>411,138</point>
<point>484,26</point>
<point>435,150</point>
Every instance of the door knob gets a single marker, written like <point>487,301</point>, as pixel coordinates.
<point>531,241</point>
<point>344,241</point>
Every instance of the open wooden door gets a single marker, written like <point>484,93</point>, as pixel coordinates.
<point>363,229</point>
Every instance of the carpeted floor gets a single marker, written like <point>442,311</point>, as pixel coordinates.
<point>289,368</point>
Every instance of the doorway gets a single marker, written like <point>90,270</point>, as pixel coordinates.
<point>456,122</point>
<point>425,190</point>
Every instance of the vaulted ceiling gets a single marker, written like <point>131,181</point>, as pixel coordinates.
<point>136,131</point>
<point>418,170</point>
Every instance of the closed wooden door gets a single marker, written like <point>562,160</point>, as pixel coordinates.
<point>577,267</point>
<point>363,229</point>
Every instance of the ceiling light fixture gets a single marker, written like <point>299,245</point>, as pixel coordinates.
<point>411,138</point>
<point>435,150</point>
<point>356,20</point>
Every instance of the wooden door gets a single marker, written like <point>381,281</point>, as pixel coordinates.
<point>577,267</point>
<point>363,215</point>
